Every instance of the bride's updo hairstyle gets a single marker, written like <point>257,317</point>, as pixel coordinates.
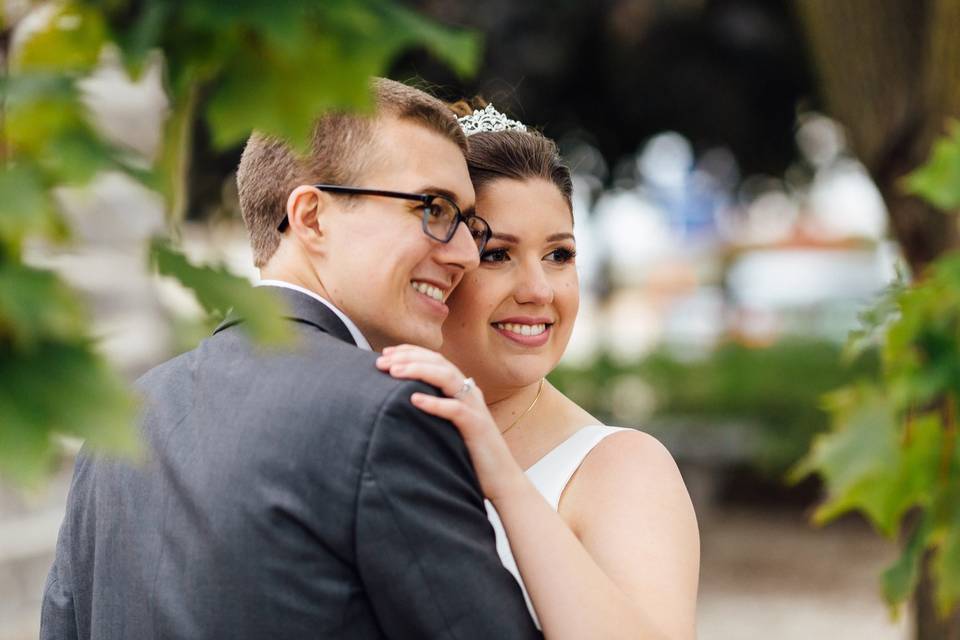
<point>513,154</point>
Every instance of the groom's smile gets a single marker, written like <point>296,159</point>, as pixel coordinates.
<point>433,295</point>
<point>431,291</point>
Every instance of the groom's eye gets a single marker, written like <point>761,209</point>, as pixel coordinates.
<point>495,255</point>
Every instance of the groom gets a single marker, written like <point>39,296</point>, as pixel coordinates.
<point>297,493</point>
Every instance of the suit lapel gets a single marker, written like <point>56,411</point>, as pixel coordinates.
<point>302,308</point>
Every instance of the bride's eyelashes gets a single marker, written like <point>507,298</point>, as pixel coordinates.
<point>495,255</point>
<point>560,255</point>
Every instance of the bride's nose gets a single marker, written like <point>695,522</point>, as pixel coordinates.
<point>533,287</point>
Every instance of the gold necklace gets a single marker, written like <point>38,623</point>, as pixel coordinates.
<point>529,409</point>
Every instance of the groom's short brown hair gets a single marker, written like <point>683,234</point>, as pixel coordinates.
<point>340,150</point>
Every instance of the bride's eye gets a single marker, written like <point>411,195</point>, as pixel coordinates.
<point>495,255</point>
<point>561,255</point>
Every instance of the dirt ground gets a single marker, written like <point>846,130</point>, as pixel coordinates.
<point>769,575</point>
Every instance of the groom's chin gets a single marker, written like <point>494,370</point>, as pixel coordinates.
<point>429,339</point>
<point>421,336</point>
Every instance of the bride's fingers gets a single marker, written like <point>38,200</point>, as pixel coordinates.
<point>407,348</point>
<point>390,361</point>
<point>409,351</point>
<point>412,362</point>
<point>446,379</point>
<point>447,408</point>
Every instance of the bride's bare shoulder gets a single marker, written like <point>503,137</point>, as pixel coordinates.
<point>628,467</point>
<point>628,450</point>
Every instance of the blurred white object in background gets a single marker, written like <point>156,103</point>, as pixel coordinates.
<point>844,202</point>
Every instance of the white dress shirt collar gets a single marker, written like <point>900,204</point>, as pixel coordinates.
<point>351,327</point>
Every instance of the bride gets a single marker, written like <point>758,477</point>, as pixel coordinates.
<point>594,521</point>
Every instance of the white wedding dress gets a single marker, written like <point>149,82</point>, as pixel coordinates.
<point>550,476</point>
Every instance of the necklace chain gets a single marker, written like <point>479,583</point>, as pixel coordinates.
<point>528,409</point>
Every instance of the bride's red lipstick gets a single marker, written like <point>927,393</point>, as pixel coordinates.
<point>528,341</point>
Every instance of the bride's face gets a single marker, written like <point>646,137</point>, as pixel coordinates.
<point>510,319</point>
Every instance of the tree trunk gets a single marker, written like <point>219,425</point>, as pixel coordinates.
<point>888,72</point>
<point>929,625</point>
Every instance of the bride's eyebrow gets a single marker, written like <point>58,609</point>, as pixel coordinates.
<point>505,237</point>
<point>555,237</point>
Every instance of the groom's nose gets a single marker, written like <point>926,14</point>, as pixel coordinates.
<point>461,251</point>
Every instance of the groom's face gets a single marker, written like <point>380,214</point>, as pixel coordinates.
<point>378,266</point>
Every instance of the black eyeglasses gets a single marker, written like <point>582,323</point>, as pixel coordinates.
<point>441,215</point>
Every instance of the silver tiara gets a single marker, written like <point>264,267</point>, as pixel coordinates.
<point>488,119</point>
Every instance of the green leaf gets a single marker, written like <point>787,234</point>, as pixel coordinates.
<point>35,305</point>
<point>946,570</point>
<point>75,157</point>
<point>39,110</point>
<point>875,320</point>
<point>35,86</point>
<point>461,49</point>
<point>220,292</point>
<point>900,579</point>
<point>266,90</point>
<point>279,79</point>
<point>946,560</point>
<point>280,21</point>
<point>142,35</point>
<point>26,207</point>
<point>71,41</point>
<point>60,388</point>
<point>867,464</point>
<point>938,181</point>
<point>49,124</point>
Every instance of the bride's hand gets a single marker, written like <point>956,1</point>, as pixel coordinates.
<point>496,469</point>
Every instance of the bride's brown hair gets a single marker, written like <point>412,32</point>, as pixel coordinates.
<point>514,155</point>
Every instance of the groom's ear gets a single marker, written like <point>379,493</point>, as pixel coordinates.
<point>305,208</point>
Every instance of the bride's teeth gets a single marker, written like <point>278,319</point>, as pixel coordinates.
<point>522,329</point>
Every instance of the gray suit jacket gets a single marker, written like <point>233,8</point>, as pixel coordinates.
<point>287,494</point>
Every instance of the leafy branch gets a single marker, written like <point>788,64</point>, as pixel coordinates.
<point>239,66</point>
<point>893,453</point>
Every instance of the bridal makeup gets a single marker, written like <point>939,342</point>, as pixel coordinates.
<point>511,319</point>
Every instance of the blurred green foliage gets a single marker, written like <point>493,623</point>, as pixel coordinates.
<point>938,181</point>
<point>774,390</point>
<point>892,452</point>
<point>237,66</point>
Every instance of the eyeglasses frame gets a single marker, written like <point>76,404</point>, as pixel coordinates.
<point>426,198</point>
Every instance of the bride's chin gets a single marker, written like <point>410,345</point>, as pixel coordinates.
<point>513,376</point>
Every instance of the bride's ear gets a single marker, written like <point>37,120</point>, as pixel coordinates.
<point>306,206</point>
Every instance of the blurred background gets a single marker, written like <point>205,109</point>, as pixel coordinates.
<point>738,168</point>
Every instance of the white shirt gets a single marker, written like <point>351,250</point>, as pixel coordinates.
<point>352,328</point>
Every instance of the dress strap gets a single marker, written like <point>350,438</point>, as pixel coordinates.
<point>553,471</point>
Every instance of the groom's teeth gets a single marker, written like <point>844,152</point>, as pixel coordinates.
<point>522,329</point>
<point>428,290</point>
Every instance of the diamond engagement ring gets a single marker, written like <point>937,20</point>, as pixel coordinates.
<point>468,385</point>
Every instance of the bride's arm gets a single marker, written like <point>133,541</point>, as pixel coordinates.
<point>629,567</point>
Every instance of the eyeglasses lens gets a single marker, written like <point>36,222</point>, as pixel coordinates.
<point>441,218</point>
<point>479,230</point>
